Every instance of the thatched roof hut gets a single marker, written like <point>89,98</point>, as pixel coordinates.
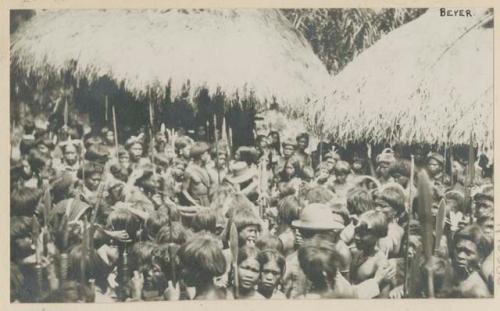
<point>240,53</point>
<point>429,81</point>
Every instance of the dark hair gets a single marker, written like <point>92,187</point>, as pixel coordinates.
<point>475,234</point>
<point>24,201</point>
<point>142,254</point>
<point>269,242</point>
<point>270,254</point>
<point>205,220</point>
<point>319,194</point>
<point>97,153</point>
<point>401,167</point>
<point>457,197</point>
<point>395,197</point>
<point>155,221</point>
<point>89,168</point>
<point>318,257</point>
<point>119,172</point>
<point>359,200</point>
<point>37,160</point>
<point>25,146</point>
<point>123,219</point>
<point>288,210</point>
<point>376,222</point>
<point>247,251</point>
<point>244,217</point>
<point>179,234</point>
<point>204,255</point>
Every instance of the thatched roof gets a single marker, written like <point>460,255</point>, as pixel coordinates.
<point>429,81</point>
<point>245,52</point>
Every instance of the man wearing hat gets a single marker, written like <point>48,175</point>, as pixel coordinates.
<point>314,219</point>
<point>243,178</point>
<point>435,168</point>
<point>197,182</point>
<point>483,203</point>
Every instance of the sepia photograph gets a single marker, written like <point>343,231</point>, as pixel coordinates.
<point>251,154</point>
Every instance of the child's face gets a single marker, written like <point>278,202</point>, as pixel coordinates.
<point>270,275</point>
<point>248,235</point>
<point>248,273</point>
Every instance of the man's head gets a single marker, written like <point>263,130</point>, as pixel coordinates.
<point>471,248</point>
<point>384,161</point>
<point>302,141</point>
<point>288,148</point>
<point>70,152</point>
<point>371,227</point>
<point>435,164</point>
<point>91,172</point>
<point>399,171</point>
<point>199,152</point>
<point>342,170</point>
<point>391,201</point>
<point>483,202</point>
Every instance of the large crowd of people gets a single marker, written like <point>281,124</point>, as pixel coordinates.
<point>172,216</point>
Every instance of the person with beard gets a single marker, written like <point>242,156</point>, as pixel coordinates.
<point>197,182</point>
<point>273,268</point>
<point>471,247</point>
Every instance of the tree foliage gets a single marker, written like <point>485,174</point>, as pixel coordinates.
<point>338,35</point>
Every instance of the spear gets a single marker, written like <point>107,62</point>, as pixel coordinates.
<point>226,139</point>
<point>106,108</point>
<point>451,165</point>
<point>440,221</point>
<point>65,113</point>
<point>216,149</point>
<point>470,177</point>
<point>407,242</point>
<point>64,246</point>
<point>115,130</point>
<point>83,261</point>
<point>424,207</point>
<point>35,236</point>
<point>151,119</point>
<point>233,244</point>
<point>444,165</point>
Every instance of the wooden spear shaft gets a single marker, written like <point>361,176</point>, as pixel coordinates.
<point>216,149</point>
<point>115,129</point>
<point>407,242</point>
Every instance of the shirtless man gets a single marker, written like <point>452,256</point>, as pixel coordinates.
<point>372,226</point>
<point>197,182</point>
<point>470,250</point>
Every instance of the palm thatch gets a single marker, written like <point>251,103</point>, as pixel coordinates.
<point>430,81</point>
<point>240,53</point>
